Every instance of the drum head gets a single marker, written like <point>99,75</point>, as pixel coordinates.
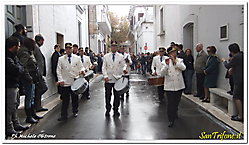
<point>121,84</point>
<point>88,73</point>
<point>78,84</point>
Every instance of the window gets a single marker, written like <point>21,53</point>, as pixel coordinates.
<point>224,32</point>
<point>60,39</point>
<point>161,22</point>
<point>140,15</point>
<point>79,33</point>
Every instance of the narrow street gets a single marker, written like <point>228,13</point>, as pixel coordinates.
<point>142,118</point>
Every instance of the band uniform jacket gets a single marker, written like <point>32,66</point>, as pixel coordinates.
<point>86,62</point>
<point>113,70</point>
<point>66,71</point>
<point>173,79</point>
<point>157,65</point>
<point>128,58</point>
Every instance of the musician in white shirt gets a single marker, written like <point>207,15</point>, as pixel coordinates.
<point>68,69</point>
<point>88,66</point>
<point>113,68</point>
<point>128,62</point>
<point>173,82</point>
<point>157,65</point>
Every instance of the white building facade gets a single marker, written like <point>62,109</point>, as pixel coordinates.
<point>141,29</point>
<point>218,25</point>
<point>58,24</point>
<point>100,28</point>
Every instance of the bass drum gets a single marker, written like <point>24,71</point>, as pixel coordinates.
<point>122,85</point>
<point>79,86</point>
<point>156,80</point>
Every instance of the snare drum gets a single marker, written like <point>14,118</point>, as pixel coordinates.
<point>156,80</point>
<point>88,75</point>
<point>122,85</point>
<point>79,86</point>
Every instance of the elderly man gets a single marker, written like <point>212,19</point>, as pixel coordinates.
<point>69,67</point>
<point>113,67</point>
<point>200,64</point>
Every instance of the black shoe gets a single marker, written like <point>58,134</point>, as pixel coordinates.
<point>187,93</point>
<point>237,118</point>
<point>62,119</point>
<point>31,120</point>
<point>20,127</point>
<point>107,114</point>
<point>88,97</point>
<point>171,124</point>
<point>116,114</point>
<point>37,117</point>
<point>206,101</point>
<point>41,109</point>
<point>230,92</point>
<point>201,98</point>
<point>75,114</point>
<point>234,116</point>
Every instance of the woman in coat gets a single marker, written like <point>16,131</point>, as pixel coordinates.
<point>211,72</point>
<point>173,82</point>
<point>189,62</point>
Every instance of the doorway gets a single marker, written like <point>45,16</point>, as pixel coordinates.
<point>188,34</point>
<point>60,39</point>
<point>14,14</point>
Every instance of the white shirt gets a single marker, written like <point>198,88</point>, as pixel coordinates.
<point>156,63</point>
<point>173,80</point>
<point>66,71</point>
<point>128,56</point>
<point>87,62</point>
<point>113,70</point>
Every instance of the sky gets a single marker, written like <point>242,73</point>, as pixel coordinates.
<point>120,10</point>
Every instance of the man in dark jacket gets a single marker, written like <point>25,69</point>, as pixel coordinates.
<point>54,63</point>
<point>236,69</point>
<point>30,78</point>
<point>14,70</point>
<point>41,87</point>
<point>21,33</point>
<point>143,61</point>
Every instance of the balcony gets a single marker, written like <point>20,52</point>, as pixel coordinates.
<point>104,24</point>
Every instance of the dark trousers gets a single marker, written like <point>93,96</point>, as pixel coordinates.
<point>160,91</point>
<point>231,83</point>
<point>108,93</point>
<point>127,93</point>
<point>40,89</point>
<point>86,93</point>
<point>174,98</point>
<point>66,92</point>
<point>200,84</point>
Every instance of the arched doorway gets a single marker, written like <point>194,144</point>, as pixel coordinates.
<point>188,36</point>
